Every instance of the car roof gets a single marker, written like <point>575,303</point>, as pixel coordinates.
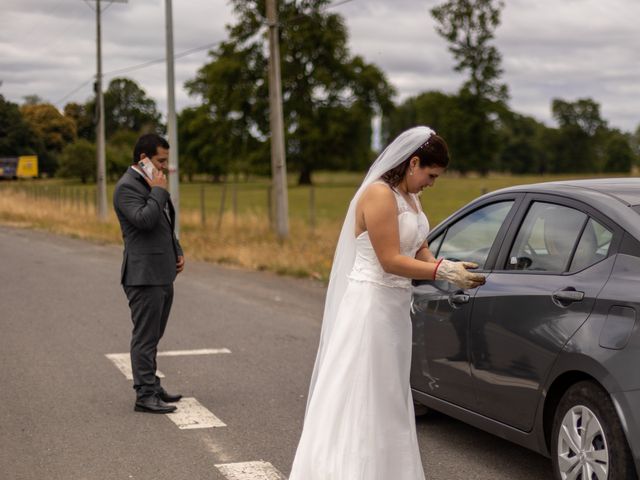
<point>612,196</point>
<point>625,190</point>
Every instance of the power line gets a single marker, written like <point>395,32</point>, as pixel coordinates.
<point>181,54</point>
<point>73,91</point>
<point>161,60</point>
<point>139,66</point>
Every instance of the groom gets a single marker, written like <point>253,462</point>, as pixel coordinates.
<point>152,259</point>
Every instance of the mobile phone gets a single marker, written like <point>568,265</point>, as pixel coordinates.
<point>147,167</point>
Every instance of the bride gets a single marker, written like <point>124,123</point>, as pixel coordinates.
<point>359,423</point>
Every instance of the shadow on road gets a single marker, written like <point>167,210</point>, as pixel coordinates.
<point>453,450</point>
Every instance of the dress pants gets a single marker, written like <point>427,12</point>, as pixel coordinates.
<point>150,307</point>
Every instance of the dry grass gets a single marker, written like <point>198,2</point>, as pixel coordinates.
<point>245,242</point>
<point>17,209</point>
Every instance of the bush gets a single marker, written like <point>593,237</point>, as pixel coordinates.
<point>78,160</point>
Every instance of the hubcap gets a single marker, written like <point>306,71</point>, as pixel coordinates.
<point>583,453</point>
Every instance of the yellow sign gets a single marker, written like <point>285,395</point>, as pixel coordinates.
<point>27,166</point>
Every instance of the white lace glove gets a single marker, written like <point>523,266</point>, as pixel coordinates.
<point>457,273</point>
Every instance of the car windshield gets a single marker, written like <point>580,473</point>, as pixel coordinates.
<point>636,208</point>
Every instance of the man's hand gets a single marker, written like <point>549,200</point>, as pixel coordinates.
<point>457,273</point>
<point>158,179</point>
<point>180,264</point>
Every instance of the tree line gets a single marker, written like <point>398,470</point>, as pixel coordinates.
<point>330,98</point>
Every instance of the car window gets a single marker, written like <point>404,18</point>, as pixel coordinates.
<point>470,238</point>
<point>434,245</point>
<point>593,246</point>
<point>546,238</point>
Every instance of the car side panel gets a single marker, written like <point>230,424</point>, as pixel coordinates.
<point>517,331</point>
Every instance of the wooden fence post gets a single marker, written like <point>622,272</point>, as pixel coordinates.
<point>270,205</point>
<point>234,202</point>
<point>203,219</point>
<point>312,207</point>
<point>222,199</point>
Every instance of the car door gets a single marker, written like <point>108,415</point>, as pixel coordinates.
<point>440,311</point>
<point>552,266</point>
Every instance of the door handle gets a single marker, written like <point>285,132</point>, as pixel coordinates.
<point>459,298</point>
<point>567,296</point>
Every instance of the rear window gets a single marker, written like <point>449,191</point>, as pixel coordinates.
<point>636,208</point>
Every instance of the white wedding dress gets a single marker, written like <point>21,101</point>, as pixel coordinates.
<point>360,422</point>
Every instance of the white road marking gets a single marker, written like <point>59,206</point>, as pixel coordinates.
<point>123,360</point>
<point>250,471</point>
<point>202,351</point>
<point>191,414</point>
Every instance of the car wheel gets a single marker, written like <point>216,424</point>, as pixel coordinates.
<point>587,441</point>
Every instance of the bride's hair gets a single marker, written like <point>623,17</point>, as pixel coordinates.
<point>432,153</point>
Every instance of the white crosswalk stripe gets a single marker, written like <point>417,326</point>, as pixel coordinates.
<point>123,360</point>
<point>192,414</point>
<point>260,470</point>
<point>201,351</point>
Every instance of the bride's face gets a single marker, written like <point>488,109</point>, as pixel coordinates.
<point>419,178</point>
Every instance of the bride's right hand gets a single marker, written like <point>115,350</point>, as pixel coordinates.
<point>457,273</point>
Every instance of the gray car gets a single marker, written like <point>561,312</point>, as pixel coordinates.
<point>546,354</point>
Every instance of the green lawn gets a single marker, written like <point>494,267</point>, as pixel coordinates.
<point>331,194</point>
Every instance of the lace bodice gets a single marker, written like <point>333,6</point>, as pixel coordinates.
<point>413,229</point>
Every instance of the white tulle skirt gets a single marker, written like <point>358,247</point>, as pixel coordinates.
<point>360,422</point>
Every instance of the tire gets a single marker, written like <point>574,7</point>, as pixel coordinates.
<point>599,453</point>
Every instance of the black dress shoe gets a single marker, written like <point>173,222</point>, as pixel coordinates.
<point>168,397</point>
<point>153,404</point>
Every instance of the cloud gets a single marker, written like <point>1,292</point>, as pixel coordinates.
<point>569,49</point>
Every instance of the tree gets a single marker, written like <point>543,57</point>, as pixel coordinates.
<point>33,100</point>
<point>523,144</point>
<point>217,146</point>
<point>579,142</point>
<point>329,96</point>
<point>126,107</point>
<point>634,141</point>
<point>16,137</point>
<point>444,113</point>
<point>618,152</point>
<point>119,151</point>
<point>53,131</point>
<point>78,160</point>
<point>83,117</point>
<point>468,26</point>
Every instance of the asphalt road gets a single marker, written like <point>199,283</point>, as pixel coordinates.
<point>66,412</point>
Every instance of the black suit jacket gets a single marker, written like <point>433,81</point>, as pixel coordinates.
<point>150,245</point>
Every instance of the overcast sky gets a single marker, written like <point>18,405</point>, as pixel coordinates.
<point>565,49</point>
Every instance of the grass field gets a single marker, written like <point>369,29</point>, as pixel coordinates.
<point>241,236</point>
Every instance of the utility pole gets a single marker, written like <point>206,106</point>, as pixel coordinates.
<point>101,176</point>
<point>278,161</point>
<point>174,174</point>
<point>101,169</point>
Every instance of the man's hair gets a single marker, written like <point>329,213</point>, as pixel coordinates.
<point>148,144</point>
